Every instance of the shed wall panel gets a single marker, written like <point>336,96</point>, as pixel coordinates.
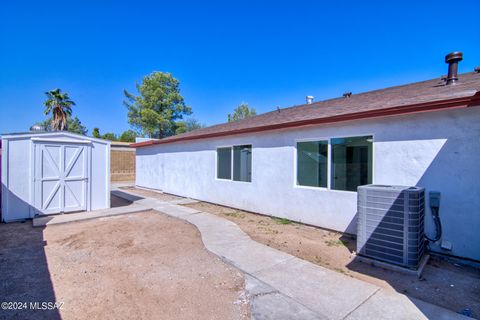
<point>18,167</point>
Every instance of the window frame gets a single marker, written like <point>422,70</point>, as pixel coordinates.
<point>231,146</point>
<point>295,180</point>
<point>329,160</point>
<point>216,162</point>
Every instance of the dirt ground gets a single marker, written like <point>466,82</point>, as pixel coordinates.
<point>137,266</point>
<point>443,283</point>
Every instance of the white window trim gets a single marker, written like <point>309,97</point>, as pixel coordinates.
<point>295,166</point>
<point>231,146</point>
<point>329,161</point>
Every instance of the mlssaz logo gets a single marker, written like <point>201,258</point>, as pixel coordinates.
<point>45,305</point>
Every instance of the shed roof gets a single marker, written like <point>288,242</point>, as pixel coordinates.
<point>47,134</point>
<point>416,97</point>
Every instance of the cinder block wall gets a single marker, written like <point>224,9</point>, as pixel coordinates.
<point>122,164</point>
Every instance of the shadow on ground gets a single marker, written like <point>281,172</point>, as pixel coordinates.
<point>116,201</point>
<point>119,198</point>
<point>24,276</point>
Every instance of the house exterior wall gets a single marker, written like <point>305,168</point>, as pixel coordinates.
<point>18,174</point>
<point>437,150</point>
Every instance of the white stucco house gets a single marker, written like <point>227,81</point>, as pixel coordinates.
<point>305,162</point>
<point>53,172</point>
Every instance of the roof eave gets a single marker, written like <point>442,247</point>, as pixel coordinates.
<point>459,102</point>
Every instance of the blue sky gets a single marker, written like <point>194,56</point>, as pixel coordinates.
<point>266,53</point>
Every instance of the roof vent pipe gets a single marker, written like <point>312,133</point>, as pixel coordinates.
<point>309,99</point>
<point>453,59</point>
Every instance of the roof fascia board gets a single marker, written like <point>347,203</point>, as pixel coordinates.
<point>430,106</point>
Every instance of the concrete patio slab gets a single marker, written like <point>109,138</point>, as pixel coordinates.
<point>80,216</point>
<point>256,287</point>
<point>175,210</point>
<point>184,201</point>
<point>250,257</point>
<point>149,202</point>
<point>226,240</point>
<point>215,235</point>
<point>277,306</point>
<point>328,293</point>
<point>393,306</point>
<point>268,303</point>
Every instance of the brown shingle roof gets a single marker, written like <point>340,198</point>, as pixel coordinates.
<point>416,97</point>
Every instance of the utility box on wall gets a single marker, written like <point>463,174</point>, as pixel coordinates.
<point>390,224</point>
<point>53,172</point>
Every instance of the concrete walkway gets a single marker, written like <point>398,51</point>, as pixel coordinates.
<point>281,286</point>
<point>80,216</point>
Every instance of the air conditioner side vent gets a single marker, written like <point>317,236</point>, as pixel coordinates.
<point>390,225</point>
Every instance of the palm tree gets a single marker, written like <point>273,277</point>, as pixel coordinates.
<point>60,105</point>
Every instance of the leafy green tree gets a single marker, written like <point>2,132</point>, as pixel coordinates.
<point>241,112</point>
<point>75,126</point>
<point>189,124</point>
<point>110,136</point>
<point>96,133</point>
<point>59,105</point>
<point>128,136</point>
<point>157,106</point>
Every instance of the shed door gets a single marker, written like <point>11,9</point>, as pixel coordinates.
<point>61,177</point>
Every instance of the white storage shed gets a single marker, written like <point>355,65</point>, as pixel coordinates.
<point>53,172</point>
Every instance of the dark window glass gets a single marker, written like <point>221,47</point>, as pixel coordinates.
<point>351,162</point>
<point>224,163</point>
<point>312,159</point>
<point>242,163</point>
